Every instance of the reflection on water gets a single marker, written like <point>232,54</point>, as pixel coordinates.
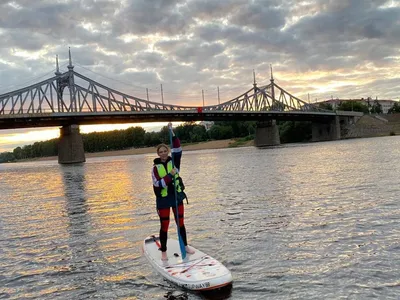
<point>311,221</point>
<point>76,206</point>
<point>82,254</point>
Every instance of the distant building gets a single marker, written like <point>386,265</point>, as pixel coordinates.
<point>386,104</point>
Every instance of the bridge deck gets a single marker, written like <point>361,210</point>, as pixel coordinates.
<point>86,118</point>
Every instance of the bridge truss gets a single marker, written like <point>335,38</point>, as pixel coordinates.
<point>71,92</point>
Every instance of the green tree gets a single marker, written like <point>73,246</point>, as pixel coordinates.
<point>376,107</point>
<point>394,109</point>
<point>325,105</point>
<point>219,132</point>
<point>164,135</point>
<point>27,150</point>
<point>18,153</point>
<point>152,139</point>
<point>185,131</point>
<point>295,132</point>
<point>6,157</point>
<point>198,134</point>
<point>215,132</point>
<point>239,128</point>
<point>353,106</point>
<point>135,137</point>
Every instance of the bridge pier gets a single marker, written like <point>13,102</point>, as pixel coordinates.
<point>326,131</point>
<point>70,145</point>
<point>267,134</point>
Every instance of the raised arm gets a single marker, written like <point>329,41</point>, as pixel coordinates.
<point>176,150</point>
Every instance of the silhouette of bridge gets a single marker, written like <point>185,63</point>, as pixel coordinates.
<point>89,102</point>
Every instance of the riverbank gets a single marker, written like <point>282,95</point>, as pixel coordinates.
<point>220,144</point>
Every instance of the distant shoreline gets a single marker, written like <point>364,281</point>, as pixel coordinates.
<point>219,144</point>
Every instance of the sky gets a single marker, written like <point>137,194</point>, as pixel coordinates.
<point>318,49</point>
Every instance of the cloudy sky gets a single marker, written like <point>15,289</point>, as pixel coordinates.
<point>317,48</point>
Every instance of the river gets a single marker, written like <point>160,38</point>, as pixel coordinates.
<point>300,221</point>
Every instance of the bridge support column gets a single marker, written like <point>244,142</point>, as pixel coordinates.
<point>70,145</point>
<point>267,134</point>
<point>326,131</point>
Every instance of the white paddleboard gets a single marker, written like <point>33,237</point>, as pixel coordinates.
<point>197,271</point>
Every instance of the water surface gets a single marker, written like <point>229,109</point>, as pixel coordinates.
<point>304,221</point>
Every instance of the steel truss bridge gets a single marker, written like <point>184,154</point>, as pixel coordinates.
<point>89,102</point>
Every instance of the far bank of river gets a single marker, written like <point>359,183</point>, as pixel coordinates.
<point>148,150</point>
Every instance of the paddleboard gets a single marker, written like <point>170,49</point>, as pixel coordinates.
<point>198,271</point>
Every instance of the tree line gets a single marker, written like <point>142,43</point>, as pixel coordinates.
<point>135,137</point>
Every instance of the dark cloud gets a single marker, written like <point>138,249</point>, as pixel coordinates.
<point>143,17</point>
<point>151,60</point>
<point>20,39</point>
<point>260,16</point>
<point>211,10</point>
<point>195,52</point>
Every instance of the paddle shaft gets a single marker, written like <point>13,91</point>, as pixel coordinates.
<point>181,244</point>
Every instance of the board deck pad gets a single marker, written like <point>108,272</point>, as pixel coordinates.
<point>197,271</point>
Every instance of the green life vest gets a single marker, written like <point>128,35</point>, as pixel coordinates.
<point>162,173</point>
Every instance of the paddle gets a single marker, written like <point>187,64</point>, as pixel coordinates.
<point>181,244</point>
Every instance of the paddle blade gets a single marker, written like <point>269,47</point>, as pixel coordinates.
<point>182,246</point>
